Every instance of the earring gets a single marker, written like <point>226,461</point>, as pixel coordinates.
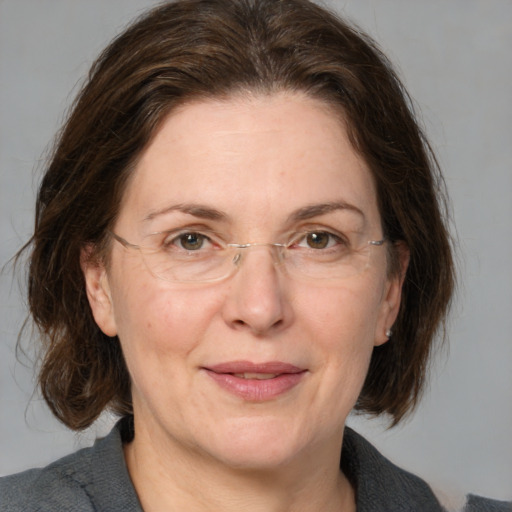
<point>389,332</point>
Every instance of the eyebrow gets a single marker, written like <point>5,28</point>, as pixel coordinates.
<point>316,210</point>
<point>197,210</point>
<point>206,212</point>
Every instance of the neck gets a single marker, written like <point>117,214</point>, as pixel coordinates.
<point>169,477</point>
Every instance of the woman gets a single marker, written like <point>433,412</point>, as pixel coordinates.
<point>238,240</point>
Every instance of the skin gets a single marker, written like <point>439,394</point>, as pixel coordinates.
<point>197,446</point>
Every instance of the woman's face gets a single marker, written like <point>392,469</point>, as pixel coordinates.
<point>262,367</point>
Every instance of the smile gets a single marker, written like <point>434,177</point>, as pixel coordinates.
<point>257,376</point>
<point>256,382</point>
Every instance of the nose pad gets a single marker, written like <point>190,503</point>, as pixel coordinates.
<point>238,258</point>
<point>275,251</point>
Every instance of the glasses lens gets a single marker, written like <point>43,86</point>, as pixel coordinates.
<point>318,264</point>
<point>296,261</point>
<point>192,268</point>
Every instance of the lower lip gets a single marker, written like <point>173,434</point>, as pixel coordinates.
<point>256,390</point>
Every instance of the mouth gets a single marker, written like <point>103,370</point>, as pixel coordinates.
<point>257,376</point>
<point>256,382</point>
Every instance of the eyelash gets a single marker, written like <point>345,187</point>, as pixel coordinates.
<point>334,239</point>
<point>175,239</point>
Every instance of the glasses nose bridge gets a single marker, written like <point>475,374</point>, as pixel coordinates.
<point>276,250</point>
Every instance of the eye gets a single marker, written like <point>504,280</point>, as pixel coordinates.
<point>318,240</point>
<point>189,241</point>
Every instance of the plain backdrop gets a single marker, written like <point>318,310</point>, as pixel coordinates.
<point>454,57</point>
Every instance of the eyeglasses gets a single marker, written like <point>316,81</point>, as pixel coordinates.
<point>192,257</point>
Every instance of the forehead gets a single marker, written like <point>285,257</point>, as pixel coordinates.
<point>258,157</point>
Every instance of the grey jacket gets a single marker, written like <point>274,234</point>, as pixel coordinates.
<point>96,479</point>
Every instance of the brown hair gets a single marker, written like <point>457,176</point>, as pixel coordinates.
<point>194,49</point>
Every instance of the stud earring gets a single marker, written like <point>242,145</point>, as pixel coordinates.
<point>389,332</point>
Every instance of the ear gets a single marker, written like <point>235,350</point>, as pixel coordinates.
<point>390,305</point>
<point>98,291</point>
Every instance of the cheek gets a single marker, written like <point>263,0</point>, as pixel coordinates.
<point>161,332</point>
<point>338,325</point>
<point>339,315</point>
<point>154,318</point>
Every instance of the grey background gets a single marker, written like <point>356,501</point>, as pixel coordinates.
<point>455,59</point>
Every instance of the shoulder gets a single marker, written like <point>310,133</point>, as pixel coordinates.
<point>382,486</point>
<point>479,504</point>
<point>55,487</point>
<point>91,479</point>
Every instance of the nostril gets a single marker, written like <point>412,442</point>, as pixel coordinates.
<point>278,324</point>
<point>257,330</point>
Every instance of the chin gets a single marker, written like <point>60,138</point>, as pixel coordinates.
<point>257,444</point>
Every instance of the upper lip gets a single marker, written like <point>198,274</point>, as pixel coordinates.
<point>276,367</point>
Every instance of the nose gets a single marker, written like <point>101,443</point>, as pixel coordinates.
<point>257,300</point>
